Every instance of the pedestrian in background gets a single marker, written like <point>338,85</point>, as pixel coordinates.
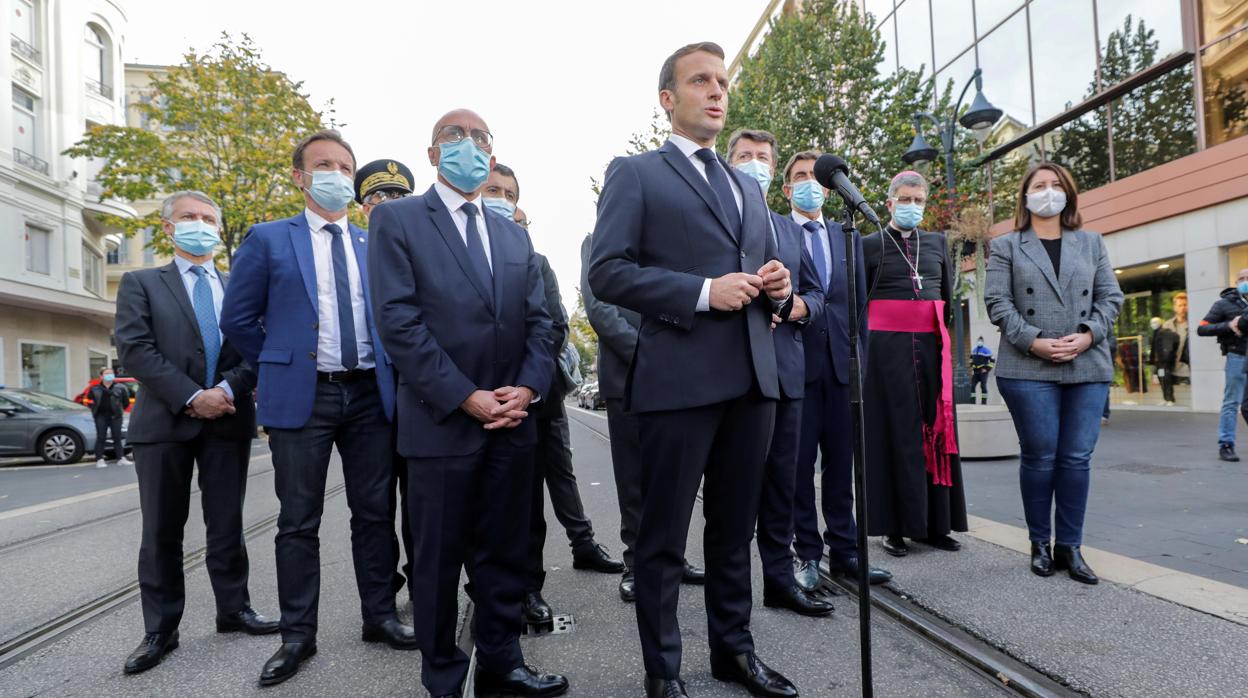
<point>1222,322</point>
<point>1051,290</point>
<point>1163,354</point>
<point>109,401</point>
<point>1182,360</point>
<point>982,363</point>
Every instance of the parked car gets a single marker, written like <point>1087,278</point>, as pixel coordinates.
<point>55,429</point>
<point>131,384</point>
<point>589,399</point>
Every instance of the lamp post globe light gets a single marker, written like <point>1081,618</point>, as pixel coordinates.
<point>979,118</point>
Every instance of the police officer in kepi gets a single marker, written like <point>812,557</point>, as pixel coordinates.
<point>376,183</point>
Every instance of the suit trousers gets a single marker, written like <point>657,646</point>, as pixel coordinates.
<point>164,472</point>
<point>725,443</point>
<point>103,425</point>
<point>775,507</point>
<point>349,416</point>
<point>827,427</point>
<point>398,504</point>
<point>469,512</point>
<point>622,428</point>
<point>553,466</point>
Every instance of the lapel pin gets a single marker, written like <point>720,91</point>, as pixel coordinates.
<point>361,238</point>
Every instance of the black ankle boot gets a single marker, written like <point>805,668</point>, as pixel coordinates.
<point>1041,559</point>
<point>1068,557</point>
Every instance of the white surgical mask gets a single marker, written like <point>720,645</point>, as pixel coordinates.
<point>1046,203</point>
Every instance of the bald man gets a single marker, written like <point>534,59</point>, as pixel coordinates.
<point>461,309</point>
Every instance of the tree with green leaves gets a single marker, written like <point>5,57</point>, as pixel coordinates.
<point>224,123</point>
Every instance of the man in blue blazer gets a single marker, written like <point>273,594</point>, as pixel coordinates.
<point>826,420</point>
<point>461,309</point>
<point>753,152</point>
<point>297,309</point>
<point>684,240</point>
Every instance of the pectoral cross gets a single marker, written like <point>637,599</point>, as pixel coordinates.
<point>918,280</point>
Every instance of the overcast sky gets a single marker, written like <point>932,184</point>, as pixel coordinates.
<point>562,84</point>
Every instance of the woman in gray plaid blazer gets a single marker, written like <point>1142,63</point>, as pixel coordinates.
<point>1052,292</point>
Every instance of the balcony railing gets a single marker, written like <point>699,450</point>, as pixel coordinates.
<point>25,159</point>
<point>24,49</point>
<point>99,88</point>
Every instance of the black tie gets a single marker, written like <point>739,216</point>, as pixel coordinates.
<point>342,292</point>
<point>476,249</point>
<point>723,190</point>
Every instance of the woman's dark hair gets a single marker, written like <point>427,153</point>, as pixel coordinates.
<point>1071,220</point>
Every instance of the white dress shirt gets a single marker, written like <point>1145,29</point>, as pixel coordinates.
<point>329,338</point>
<point>823,237</point>
<point>689,149</point>
<point>218,293</point>
<point>454,202</point>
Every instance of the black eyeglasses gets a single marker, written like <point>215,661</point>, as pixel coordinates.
<point>454,134</point>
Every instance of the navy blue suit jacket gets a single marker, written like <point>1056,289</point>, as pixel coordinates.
<point>790,357</point>
<point>447,334</point>
<point>660,234</point>
<point>827,339</point>
<point>270,315</point>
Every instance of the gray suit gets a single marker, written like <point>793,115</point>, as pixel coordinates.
<point>1027,300</point>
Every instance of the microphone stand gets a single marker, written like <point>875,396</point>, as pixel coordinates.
<point>860,456</point>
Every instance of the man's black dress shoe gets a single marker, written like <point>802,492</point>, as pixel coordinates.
<point>664,688</point>
<point>596,558</point>
<point>795,599</point>
<point>1041,559</point>
<point>1068,557</point>
<point>536,610</point>
<point>521,681</point>
<point>749,671</point>
<point>944,542</point>
<point>627,593</point>
<point>1227,453</point>
<point>149,652</point>
<point>693,574</point>
<point>391,632</point>
<point>895,546</point>
<point>245,621</point>
<point>848,566</point>
<point>285,662</point>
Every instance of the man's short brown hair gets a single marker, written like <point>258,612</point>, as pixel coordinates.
<point>328,134</point>
<point>756,135</point>
<point>798,157</point>
<point>667,74</point>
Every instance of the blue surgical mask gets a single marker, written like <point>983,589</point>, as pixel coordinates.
<point>807,196</point>
<point>331,189</point>
<point>758,171</point>
<point>499,205</point>
<point>1243,287</point>
<point>907,216</point>
<point>464,165</point>
<point>196,238</point>
<point>108,377</point>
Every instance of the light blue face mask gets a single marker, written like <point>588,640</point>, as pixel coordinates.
<point>331,189</point>
<point>499,205</point>
<point>758,171</point>
<point>108,378</point>
<point>1243,287</point>
<point>907,216</point>
<point>464,165</point>
<point>196,238</point>
<point>808,196</point>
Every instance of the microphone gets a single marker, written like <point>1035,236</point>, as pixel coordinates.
<point>833,173</point>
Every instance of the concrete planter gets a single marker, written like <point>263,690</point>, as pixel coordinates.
<point>986,431</point>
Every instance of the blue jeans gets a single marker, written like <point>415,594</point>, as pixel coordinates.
<point>1232,395</point>
<point>1057,426</point>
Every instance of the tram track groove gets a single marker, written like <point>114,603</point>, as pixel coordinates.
<point>15,649</point>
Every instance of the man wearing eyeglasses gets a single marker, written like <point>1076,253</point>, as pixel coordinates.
<point>376,183</point>
<point>462,313</point>
<point>298,310</point>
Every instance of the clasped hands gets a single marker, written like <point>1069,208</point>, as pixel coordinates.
<point>735,291</point>
<point>211,404</point>
<point>1062,350</point>
<point>502,408</point>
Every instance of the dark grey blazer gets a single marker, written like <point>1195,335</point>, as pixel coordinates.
<point>1027,300</point>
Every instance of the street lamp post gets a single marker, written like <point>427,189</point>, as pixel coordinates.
<point>979,117</point>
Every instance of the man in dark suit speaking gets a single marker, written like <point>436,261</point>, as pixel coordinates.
<point>684,240</point>
<point>195,408</point>
<point>462,312</point>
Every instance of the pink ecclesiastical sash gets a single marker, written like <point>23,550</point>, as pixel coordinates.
<point>939,440</point>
